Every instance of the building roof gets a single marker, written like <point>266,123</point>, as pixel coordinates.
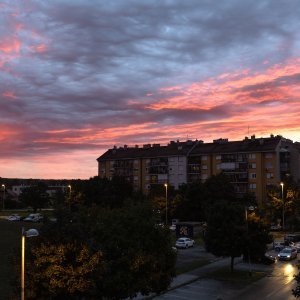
<point>191,148</point>
<point>246,145</point>
<point>148,150</point>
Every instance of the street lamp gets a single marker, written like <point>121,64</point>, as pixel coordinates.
<point>250,208</point>
<point>70,187</point>
<point>166,186</point>
<point>3,186</point>
<point>283,205</point>
<point>25,234</point>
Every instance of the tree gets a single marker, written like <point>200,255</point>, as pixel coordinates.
<point>289,201</point>
<point>63,270</point>
<point>257,237</point>
<point>296,291</point>
<point>127,250</point>
<point>101,191</point>
<point>35,196</point>
<point>225,234</point>
<point>191,204</point>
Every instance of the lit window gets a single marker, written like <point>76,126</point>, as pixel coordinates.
<point>252,186</point>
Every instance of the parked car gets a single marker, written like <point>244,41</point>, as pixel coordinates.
<point>287,254</point>
<point>292,238</point>
<point>275,227</point>
<point>268,259</point>
<point>14,217</point>
<point>278,246</point>
<point>34,218</point>
<point>172,227</point>
<point>184,242</point>
<point>297,246</point>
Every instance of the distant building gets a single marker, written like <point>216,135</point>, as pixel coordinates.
<point>51,190</point>
<point>252,164</point>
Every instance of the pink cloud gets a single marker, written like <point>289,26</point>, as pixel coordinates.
<point>9,94</point>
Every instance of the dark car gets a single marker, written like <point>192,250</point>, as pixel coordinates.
<point>268,259</point>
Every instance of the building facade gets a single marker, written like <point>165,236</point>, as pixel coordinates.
<point>252,164</point>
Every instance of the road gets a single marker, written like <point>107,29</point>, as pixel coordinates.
<point>277,285</point>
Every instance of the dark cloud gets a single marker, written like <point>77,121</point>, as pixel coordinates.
<point>76,65</point>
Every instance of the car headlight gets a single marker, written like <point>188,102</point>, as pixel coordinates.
<point>288,256</point>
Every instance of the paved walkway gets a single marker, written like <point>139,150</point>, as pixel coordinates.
<point>199,273</point>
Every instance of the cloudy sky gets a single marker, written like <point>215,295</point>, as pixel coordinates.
<point>78,77</point>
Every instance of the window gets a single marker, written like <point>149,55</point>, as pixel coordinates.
<point>204,176</point>
<point>269,165</point>
<point>204,157</point>
<point>252,186</point>
<point>228,166</point>
<point>270,175</point>
<point>204,167</point>
<point>218,157</point>
<point>252,166</point>
<point>218,166</point>
<point>268,155</point>
<point>252,175</point>
<point>251,155</point>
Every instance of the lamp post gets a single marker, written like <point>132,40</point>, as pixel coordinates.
<point>283,205</point>
<point>70,187</point>
<point>251,208</point>
<point>25,234</point>
<point>3,186</point>
<point>166,186</point>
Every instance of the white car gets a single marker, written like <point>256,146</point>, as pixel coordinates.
<point>34,218</point>
<point>14,218</point>
<point>172,227</point>
<point>279,245</point>
<point>287,254</point>
<point>184,242</point>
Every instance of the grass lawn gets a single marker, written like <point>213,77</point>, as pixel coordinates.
<point>192,266</point>
<point>237,276</point>
<point>10,245</point>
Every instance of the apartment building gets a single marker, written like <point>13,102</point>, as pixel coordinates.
<point>252,164</point>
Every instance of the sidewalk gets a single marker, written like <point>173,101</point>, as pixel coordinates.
<point>201,272</point>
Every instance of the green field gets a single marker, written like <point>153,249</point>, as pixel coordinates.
<point>10,247</point>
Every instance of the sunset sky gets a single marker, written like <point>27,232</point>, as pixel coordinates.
<point>80,76</point>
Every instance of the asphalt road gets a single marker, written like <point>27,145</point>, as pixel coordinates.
<point>277,285</point>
